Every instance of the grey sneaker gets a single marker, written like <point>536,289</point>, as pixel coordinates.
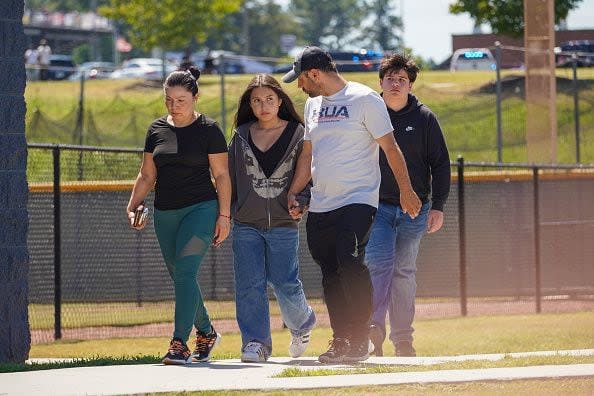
<point>254,352</point>
<point>299,344</point>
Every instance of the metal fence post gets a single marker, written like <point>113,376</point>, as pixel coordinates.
<point>498,101</point>
<point>536,199</point>
<point>462,236</point>
<point>576,108</point>
<point>223,109</point>
<point>57,248</point>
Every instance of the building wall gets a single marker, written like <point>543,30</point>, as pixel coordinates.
<point>512,58</point>
<point>14,260</point>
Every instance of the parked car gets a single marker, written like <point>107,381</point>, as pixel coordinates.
<point>347,61</point>
<point>584,50</point>
<point>472,59</point>
<point>145,68</point>
<point>238,64</point>
<point>357,61</point>
<point>61,67</point>
<point>93,71</point>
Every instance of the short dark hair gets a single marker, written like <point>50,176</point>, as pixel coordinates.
<point>245,113</point>
<point>187,79</point>
<point>397,62</point>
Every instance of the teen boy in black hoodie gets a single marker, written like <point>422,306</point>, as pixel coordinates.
<point>393,246</point>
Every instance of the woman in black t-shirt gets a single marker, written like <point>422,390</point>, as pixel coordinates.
<point>262,158</point>
<point>181,152</point>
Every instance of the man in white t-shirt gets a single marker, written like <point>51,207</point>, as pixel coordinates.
<point>346,123</point>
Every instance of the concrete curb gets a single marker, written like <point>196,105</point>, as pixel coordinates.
<point>235,375</point>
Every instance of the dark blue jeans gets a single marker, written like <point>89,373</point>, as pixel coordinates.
<point>392,260</point>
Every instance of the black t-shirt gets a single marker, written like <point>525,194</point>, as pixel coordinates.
<point>181,158</point>
<point>270,158</point>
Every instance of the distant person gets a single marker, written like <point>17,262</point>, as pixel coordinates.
<point>182,150</point>
<point>209,66</point>
<point>186,62</point>
<point>345,125</point>
<point>43,59</point>
<point>31,63</point>
<point>393,246</point>
<point>263,155</point>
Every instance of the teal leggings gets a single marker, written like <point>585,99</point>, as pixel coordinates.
<point>184,237</point>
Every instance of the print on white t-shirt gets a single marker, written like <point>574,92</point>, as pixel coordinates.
<point>343,128</point>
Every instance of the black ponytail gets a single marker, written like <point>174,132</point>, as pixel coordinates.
<point>187,79</point>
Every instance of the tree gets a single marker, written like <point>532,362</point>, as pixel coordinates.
<point>382,31</point>
<point>65,5</point>
<point>169,23</point>
<point>266,23</point>
<point>329,22</point>
<point>506,16</point>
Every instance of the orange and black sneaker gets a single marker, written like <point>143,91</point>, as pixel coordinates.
<point>178,353</point>
<point>205,343</point>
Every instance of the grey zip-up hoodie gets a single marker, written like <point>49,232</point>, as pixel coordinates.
<point>257,200</point>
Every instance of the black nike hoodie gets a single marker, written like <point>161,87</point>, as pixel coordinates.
<point>421,140</point>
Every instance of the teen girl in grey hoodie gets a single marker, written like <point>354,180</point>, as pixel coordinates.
<point>263,154</point>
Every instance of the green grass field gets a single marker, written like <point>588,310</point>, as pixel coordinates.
<point>118,112</point>
<point>436,337</point>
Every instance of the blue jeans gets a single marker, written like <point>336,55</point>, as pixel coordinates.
<point>391,256</point>
<point>262,257</point>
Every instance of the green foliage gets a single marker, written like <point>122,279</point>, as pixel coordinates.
<point>385,27</point>
<point>266,22</point>
<point>169,23</point>
<point>506,16</point>
<point>81,54</point>
<point>65,5</point>
<point>328,22</point>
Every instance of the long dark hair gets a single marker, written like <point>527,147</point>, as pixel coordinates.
<point>286,110</point>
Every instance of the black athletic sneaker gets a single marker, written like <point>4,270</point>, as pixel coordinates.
<point>405,348</point>
<point>337,350</point>
<point>205,343</point>
<point>178,353</point>
<point>359,350</point>
<point>377,336</point>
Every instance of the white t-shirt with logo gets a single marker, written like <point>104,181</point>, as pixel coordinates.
<point>342,129</point>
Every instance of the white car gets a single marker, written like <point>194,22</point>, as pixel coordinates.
<point>145,68</point>
<point>473,59</point>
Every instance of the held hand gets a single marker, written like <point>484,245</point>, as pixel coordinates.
<point>434,221</point>
<point>131,216</point>
<point>410,203</point>
<point>222,229</point>
<point>295,210</point>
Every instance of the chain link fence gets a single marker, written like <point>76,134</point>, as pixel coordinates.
<point>517,238</point>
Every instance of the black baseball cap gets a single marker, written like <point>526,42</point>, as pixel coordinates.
<point>309,58</point>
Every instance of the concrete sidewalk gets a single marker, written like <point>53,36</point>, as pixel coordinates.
<point>234,375</point>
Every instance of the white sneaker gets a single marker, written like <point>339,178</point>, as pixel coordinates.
<point>299,344</point>
<point>254,352</point>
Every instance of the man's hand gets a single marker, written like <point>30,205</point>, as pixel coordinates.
<point>410,203</point>
<point>434,221</point>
